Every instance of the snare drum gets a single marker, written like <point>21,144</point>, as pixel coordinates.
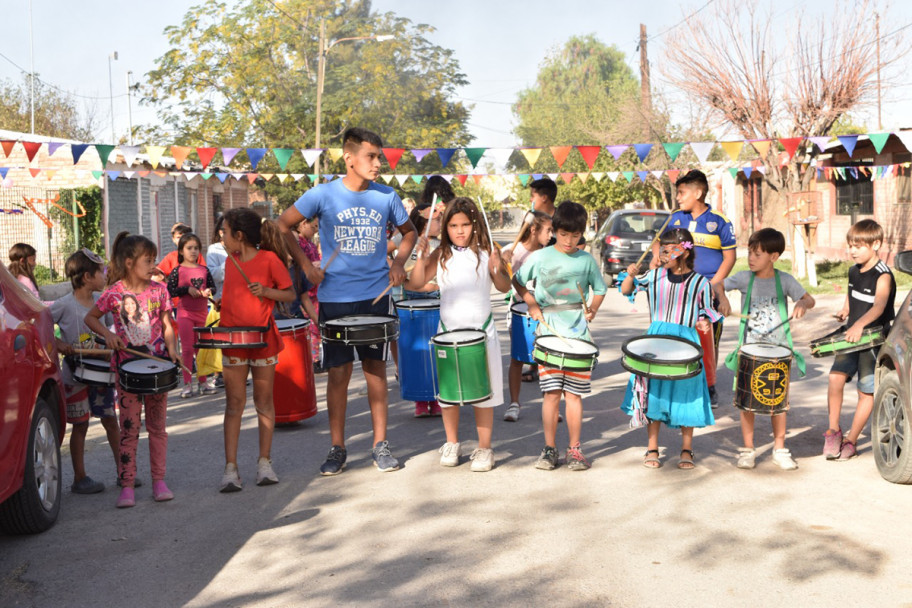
<point>565,353</point>
<point>94,372</point>
<point>357,330</point>
<point>230,337</point>
<point>418,322</point>
<point>763,378</point>
<point>835,343</point>
<point>522,333</point>
<point>294,391</point>
<point>147,376</point>
<point>462,367</point>
<point>662,357</point>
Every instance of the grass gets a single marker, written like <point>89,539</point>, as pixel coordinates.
<point>832,276</point>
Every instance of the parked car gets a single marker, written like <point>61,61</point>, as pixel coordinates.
<point>33,417</point>
<point>623,238</point>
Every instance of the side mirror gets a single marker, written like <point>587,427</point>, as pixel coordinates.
<point>903,262</point>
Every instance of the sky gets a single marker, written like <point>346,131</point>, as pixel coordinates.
<point>499,44</point>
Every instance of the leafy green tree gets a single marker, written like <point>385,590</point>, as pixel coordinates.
<point>56,114</point>
<point>90,232</point>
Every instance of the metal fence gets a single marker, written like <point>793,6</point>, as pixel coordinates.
<point>19,224</point>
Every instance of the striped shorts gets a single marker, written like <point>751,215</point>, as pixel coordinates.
<point>553,379</point>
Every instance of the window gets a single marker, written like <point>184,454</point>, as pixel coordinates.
<point>216,206</point>
<point>854,195</point>
<point>903,178</point>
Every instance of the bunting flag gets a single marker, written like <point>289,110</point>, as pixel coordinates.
<point>848,142</point>
<point>255,155</point>
<point>283,155</point>
<point>462,179</point>
<point>879,140</point>
<point>642,175</point>
<point>392,156</point>
<point>524,179</point>
<point>417,178</point>
<point>311,155</point>
<point>35,172</point>
<point>53,146</point>
<point>113,175</point>
<point>820,141</point>
<point>77,151</point>
<point>616,151</point>
<point>732,148</point>
<point>702,149</point>
<point>597,176</point>
<point>791,144</point>
<point>221,177</point>
<point>628,175</point>
<point>589,154</point>
<point>420,153</point>
<point>747,172</point>
<point>180,154</point>
<point>445,155</point>
<point>31,149</point>
<point>567,177</point>
<point>205,155</point>
<point>642,151</point>
<point>129,154</point>
<point>501,156</point>
<point>8,146</point>
<point>228,154</point>
<point>104,152</point>
<point>762,146</point>
<point>672,175</point>
<point>474,155</point>
<point>673,149</point>
<point>154,152</point>
<point>906,138</point>
<point>560,154</point>
<point>334,154</point>
<point>531,155</point>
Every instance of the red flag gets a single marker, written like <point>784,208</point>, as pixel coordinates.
<point>392,156</point>
<point>590,153</point>
<point>31,148</point>
<point>567,177</point>
<point>206,155</point>
<point>462,179</point>
<point>673,174</point>
<point>791,144</point>
<point>34,172</point>
<point>251,177</point>
<point>560,154</point>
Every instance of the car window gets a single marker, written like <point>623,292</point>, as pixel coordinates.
<point>635,224</point>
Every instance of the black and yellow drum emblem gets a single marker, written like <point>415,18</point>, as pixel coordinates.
<point>769,383</point>
<point>763,379</point>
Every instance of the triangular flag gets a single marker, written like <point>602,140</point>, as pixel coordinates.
<point>791,144</point>
<point>531,155</point>
<point>180,154</point>
<point>387,177</point>
<point>53,146</point>
<point>402,179</point>
<point>616,151</point>
<point>143,173</point>
<point>702,149</point>
<point>35,172</point>
<point>97,174</point>
<point>392,156</point>
<point>8,146</point>
<point>221,177</point>
<point>420,153</point>
<point>657,174</point>
<point>417,178</point>
<point>614,175</point>
<point>205,155</point>
<point>3,172</point>
<point>628,175</point>
<point>205,175</point>
<point>642,151</point>
<point>50,173</point>
<point>283,155</point>
<point>732,148</point>
<point>447,177</point>
<point>567,177</point>
<point>478,177</point>
<point>129,154</point>
<point>255,155</point>
<point>312,177</point>
<point>31,148</point>
<point>597,176</point>
<point>643,175</point>
<point>462,179</point>
<point>474,155</point>
<point>175,173</point>
<point>879,140</point>
<point>553,176</point>
<point>251,177</point>
<point>155,153</point>
<point>267,176</point>
<point>560,154</point>
<point>583,177</point>
<point>78,150</point>
<point>589,154</point>
<point>762,146</point>
<point>747,171</point>
<point>501,156</point>
<point>672,175</point>
<point>445,155</point>
<point>228,154</point>
<point>311,155</point>
<point>282,176</point>
<point>297,176</point>
<point>237,176</point>
<point>762,169</point>
<point>733,171</point>
<point>104,151</point>
<point>848,142</point>
<point>129,174</point>
<point>334,154</point>
<point>820,141</point>
<point>113,175</point>
<point>523,178</point>
<point>673,149</point>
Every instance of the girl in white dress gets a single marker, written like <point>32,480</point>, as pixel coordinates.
<point>465,266</point>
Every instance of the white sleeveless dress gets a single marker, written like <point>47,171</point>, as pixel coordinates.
<point>465,303</point>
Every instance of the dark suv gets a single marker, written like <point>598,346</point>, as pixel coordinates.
<point>623,238</point>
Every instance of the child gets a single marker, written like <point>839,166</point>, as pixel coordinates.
<point>680,300</point>
<point>537,237</point>
<point>86,273</point>
<point>140,307</point>
<point>763,292</point>
<point>192,284</point>
<point>23,259</point>
<point>869,303</point>
<point>465,271</point>
<point>307,230</point>
<point>169,262</point>
<point>560,272</point>
<point>250,305</point>
<point>216,256</point>
<point>542,194</point>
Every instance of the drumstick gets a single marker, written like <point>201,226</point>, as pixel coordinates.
<point>427,229</point>
<point>93,351</point>
<point>740,316</point>
<point>382,293</point>
<point>487,225</point>
<point>583,296</point>
<point>238,266</point>
<point>654,239</point>
<point>154,358</point>
<point>551,329</point>
<point>528,218</point>
<point>332,257</point>
<point>769,331</point>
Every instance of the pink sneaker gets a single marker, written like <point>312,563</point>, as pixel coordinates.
<point>847,451</point>
<point>422,409</point>
<point>126,499</point>
<point>832,444</point>
<point>160,491</point>
<point>435,409</point>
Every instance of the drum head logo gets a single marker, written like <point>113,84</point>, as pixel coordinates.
<point>769,383</point>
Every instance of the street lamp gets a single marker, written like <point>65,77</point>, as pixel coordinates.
<point>130,105</point>
<point>321,73</point>
<point>112,56</point>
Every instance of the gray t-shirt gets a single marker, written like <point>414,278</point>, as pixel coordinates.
<point>764,308</point>
<point>70,315</point>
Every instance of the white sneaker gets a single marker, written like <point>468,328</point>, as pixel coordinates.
<point>265,475</point>
<point>482,460</point>
<point>187,391</point>
<point>231,482</point>
<point>209,387</point>
<point>512,413</point>
<point>783,459</point>
<point>746,458</point>
<point>449,454</point>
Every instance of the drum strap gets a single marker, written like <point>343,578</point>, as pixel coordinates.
<point>483,327</point>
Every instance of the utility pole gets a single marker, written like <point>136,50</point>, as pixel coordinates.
<point>31,68</point>
<point>645,95</point>
<point>877,34</point>
<point>321,62</point>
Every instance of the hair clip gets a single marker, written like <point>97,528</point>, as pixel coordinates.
<point>687,244</point>
<point>94,257</point>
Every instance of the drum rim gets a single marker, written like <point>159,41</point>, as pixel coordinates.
<point>871,337</point>
<point>404,305</point>
<point>699,348</point>
<point>95,364</point>
<point>521,314</point>
<point>298,322</point>
<point>652,376</point>
<point>791,353</point>
<point>483,337</point>
<point>387,319</point>
<point>829,338</point>
<point>226,330</point>
<point>120,367</point>
<point>535,344</point>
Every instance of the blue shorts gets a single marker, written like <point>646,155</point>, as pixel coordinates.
<point>336,353</point>
<point>83,400</point>
<point>861,362</point>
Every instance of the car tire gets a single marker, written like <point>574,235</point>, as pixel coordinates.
<point>35,506</point>
<point>891,433</point>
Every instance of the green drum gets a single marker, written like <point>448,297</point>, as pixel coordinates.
<point>565,353</point>
<point>462,367</point>
<point>835,343</point>
<point>662,357</point>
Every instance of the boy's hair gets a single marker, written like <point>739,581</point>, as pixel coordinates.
<point>767,240</point>
<point>865,232</point>
<point>219,226</point>
<point>694,177</point>
<point>77,266</point>
<point>354,137</point>
<point>19,255</point>
<point>478,242</point>
<point>676,236</point>
<point>438,185</point>
<point>569,217</point>
<point>128,246</point>
<point>181,229</point>
<point>546,187</point>
<point>183,241</point>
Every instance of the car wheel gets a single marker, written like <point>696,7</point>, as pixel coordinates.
<point>891,433</point>
<point>35,506</point>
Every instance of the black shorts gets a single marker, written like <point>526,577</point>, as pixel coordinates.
<point>336,353</point>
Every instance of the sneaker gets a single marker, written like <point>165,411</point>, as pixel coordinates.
<point>126,499</point>
<point>435,409</point>
<point>783,459</point>
<point>832,443</point>
<point>160,491</point>
<point>512,413</point>
<point>231,481</point>
<point>209,387</point>
<point>746,458</point>
<point>482,460</point>
<point>137,483</point>
<point>422,409</point>
<point>575,459</point>
<point>335,461</point>
<point>547,461</point>
<point>383,460</point>
<point>87,485</point>
<point>219,382</point>
<point>265,475</point>
<point>187,391</point>
<point>449,454</point>
<point>713,398</point>
<point>847,451</point>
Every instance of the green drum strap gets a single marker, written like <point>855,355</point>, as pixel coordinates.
<point>483,327</point>
<point>783,316</point>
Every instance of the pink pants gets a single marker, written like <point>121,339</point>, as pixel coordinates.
<point>131,406</point>
<point>186,321</point>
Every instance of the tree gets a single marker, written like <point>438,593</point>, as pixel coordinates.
<point>56,112</point>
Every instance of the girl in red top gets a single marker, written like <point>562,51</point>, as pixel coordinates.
<point>250,244</point>
<point>192,285</point>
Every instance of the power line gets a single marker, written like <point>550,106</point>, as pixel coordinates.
<point>56,88</point>
<point>679,23</point>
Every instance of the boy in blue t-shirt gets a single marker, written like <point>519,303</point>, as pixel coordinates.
<point>563,276</point>
<point>353,213</point>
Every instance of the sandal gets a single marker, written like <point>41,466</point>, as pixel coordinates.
<point>530,376</point>
<point>651,462</point>
<point>688,463</point>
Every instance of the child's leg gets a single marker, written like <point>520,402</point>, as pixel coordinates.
<point>130,413</point>
<point>101,402</point>
<point>185,328</point>
<point>263,377</point>
<point>747,428</point>
<point>862,413</point>
<point>550,411</point>
<point>77,448</point>
<point>515,375</point>
<point>652,432</point>
<point>687,434</point>
<point>235,377</point>
<point>484,422</point>
<point>779,431</point>
<point>837,382</point>
<point>113,432</point>
<point>337,401</point>
<point>377,395</point>
<point>156,415</point>
<point>574,406</point>
<point>451,423</point>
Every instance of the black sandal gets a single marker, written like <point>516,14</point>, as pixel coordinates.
<point>651,462</point>
<point>689,463</point>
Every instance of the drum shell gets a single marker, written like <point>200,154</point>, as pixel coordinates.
<point>462,371</point>
<point>417,369</point>
<point>294,390</point>
<point>661,369</point>
<point>143,383</point>
<point>522,335</point>
<point>230,337</point>
<point>762,383</point>
<point>550,357</point>
<point>385,329</point>
<point>834,343</point>
<point>94,372</point>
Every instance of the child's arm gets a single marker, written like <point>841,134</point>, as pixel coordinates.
<point>63,348</point>
<point>308,307</point>
<point>210,289</point>
<point>594,306</point>
<point>93,322</point>
<point>174,290</point>
<point>170,341</point>
<point>397,273</point>
<point>804,304</point>
<point>276,295</point>
<point>425,268</point>
<point>724,307</point>
<point>498,271</point>
<point>881,295</point>
<point>728,262</point>
<point>628,285</point>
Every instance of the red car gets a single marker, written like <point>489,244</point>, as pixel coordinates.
<point>32,412</point>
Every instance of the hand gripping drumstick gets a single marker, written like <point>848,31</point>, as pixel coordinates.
<point>238,266</point>
<point>154,358</point>
<point>382,293</point>
<point>654,239</point>
<point>583,296</point>
<point>427,229</point>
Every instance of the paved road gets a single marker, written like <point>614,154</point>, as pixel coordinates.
<point>619,534</point>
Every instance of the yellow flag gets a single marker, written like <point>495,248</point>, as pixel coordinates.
<point>732,148</point>
<point>155,154</point>
<point>531,155</point>
<point>335,153</point>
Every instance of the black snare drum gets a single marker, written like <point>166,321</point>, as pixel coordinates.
<point>359,330</point>
<point>148,376</point>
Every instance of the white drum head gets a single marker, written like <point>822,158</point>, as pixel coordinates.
<point>289,324</point>
<point>146,366</point>
<point>766,351</point>
<point>353,320</point>
<point>567,345</point>
<point>419,304</point>
<point>459,336</point>
<point>100,364</point>
<point>662,348</point>
<point>520,308</point>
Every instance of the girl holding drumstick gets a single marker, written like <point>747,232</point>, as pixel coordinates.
<point>465,270</point>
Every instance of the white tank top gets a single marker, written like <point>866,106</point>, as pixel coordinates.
<point>465,290</point>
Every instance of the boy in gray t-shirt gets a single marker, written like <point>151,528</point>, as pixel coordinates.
<point>767,323</point>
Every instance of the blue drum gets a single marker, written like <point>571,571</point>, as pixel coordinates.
<point>522,333</point>
<point>418,323</point>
